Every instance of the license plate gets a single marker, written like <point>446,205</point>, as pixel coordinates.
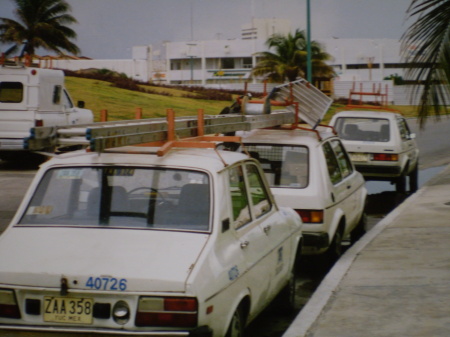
<point>359,156</point>
<point>68,310</point>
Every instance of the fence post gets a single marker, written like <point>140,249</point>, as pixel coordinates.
<point>138,114</point>
<point>103,115</point>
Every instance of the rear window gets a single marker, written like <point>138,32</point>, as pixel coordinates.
<point>284,165</point>
<point>122,197</point>
<point>363,129</point>
<point>11,92</point>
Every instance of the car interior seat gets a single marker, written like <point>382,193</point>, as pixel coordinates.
<point>193,204</point>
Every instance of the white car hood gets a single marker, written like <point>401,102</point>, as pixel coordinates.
<point>148,260</point>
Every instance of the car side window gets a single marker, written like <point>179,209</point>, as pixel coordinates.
<point>332,164</point>
<point>343,160</point>
<point>260,199</point>
<point>403,129</point>
<point>239,200</point>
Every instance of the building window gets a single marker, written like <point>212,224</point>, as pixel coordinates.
<point>247,63</point>
<point>228,63</point>
<point>175,65</point>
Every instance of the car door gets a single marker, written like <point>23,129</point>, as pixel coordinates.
<point>276,230</point>
<point>342,176</point>
<point>252,240</point>
<point>408,143</point>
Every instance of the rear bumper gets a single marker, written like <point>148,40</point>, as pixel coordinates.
<point>316,240</point>
<point>9,144</point>
<point>379,171</point>
<point>202,331</point>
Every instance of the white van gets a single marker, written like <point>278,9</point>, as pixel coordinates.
<point>31,97</point>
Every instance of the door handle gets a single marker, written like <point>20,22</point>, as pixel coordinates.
<point>267,229</point>
<point>244,244</point>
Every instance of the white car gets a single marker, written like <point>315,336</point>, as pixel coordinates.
<point>130,243</point>
<point>380,145</point>
<point>309,171</point>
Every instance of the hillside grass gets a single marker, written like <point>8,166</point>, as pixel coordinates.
<point>121,104</point>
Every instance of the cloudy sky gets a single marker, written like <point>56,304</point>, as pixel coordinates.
<point>110,28</point>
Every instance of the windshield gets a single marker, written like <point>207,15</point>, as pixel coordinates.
<point>121,197</point>
<point>284,165</point>
<point>363,129</point>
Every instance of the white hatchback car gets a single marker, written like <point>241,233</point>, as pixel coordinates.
<point>188,244</point>
<point>311,172</point>
<point>380,145</point>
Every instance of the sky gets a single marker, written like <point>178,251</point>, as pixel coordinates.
<point>108,29</point>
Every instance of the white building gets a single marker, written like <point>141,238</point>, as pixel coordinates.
<point>229,62</point>
<point>216,61</point>
<point>265,28</point>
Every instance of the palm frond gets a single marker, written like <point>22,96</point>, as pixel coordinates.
<point>429,37</point>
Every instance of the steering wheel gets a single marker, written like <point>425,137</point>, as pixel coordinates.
<point>151,189</point>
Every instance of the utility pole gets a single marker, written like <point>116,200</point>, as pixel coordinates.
<point>308,42</point>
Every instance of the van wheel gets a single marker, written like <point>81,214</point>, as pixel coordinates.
<point>236,328</point>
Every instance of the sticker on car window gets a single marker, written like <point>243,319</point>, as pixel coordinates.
<point>39,210</point>
<point>73,173</point>
<point>119,172</point>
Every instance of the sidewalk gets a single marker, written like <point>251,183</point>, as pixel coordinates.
<point>395,281</point>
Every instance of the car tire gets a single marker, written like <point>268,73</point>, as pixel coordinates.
<point>335,251</point>
<point>236,327</point>
<point>284,303</point>
<point>360,229</point>
<point>414,179</point>
<point>400,184</point>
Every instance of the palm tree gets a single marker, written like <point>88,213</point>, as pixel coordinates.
<point>289,59</point>
<point>41,24</point>
<point>430,63</point>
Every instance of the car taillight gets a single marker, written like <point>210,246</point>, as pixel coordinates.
<point>384,157</point>
<point>310,216</point>
<point>167,312</point>
<point>8,304</point>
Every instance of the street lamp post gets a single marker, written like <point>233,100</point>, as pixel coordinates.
<point>308,42</point>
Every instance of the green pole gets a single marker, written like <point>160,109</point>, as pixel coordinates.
<point>308,42</point>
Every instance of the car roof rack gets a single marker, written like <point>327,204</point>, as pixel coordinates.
<point>301,100</point>
<point>167,132</point>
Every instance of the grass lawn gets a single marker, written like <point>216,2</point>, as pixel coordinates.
<point>121,104</point>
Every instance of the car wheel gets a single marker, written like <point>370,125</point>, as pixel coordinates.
<point>360,229</point>
<point>400,184</point>
<point>334,252</point>
<point>414,179</point>
<point>285,301</point>
<point>236,328</point>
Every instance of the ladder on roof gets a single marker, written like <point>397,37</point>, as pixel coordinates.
<point>101,136</point>
<point>300,97</point>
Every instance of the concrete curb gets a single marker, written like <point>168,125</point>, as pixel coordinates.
<point>329,285</point>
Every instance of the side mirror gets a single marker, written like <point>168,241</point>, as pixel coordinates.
<point>80,104</point>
